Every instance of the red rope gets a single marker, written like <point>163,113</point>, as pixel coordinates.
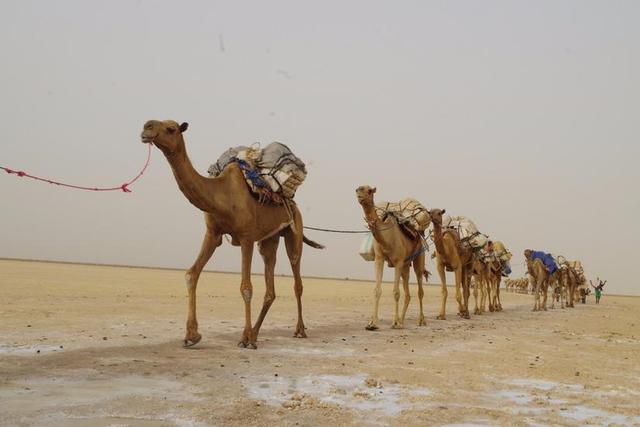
<point>124,187</point>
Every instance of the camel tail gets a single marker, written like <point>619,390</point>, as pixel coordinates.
<point>312,243</point>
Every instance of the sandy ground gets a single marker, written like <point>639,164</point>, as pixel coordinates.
<point>101,346</point>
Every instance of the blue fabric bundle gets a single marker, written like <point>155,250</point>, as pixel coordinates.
<point>546,259</point>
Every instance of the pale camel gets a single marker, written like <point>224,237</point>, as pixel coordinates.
<point>479,271</point>
<point>452,256</point>
<point>495,266</point>
<point>540,276</point>
<point>393,245</point>
<point>230,208</point>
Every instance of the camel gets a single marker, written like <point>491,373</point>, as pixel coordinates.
<point>496,265</point>
<point>480,273</point>
<point>540,276</point>
<point>230,208</point>
<point>451,254</point>
<point>393,245</point>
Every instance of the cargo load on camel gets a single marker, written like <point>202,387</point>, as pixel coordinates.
<point>410,214</point>
<point>547,260</point>
<point>467,231</point>
<point>273,173</point>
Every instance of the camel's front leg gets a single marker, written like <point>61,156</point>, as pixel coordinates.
<point>418,268</point>
<point>443,291</point>
<point>407,294</point>
<point>268,249</point>
<point>396,296</point>
<point>377,292</point>
<point>545,290</point>
<point>246,289</point>
<point>483,292</point>
<point>536,298</point>
<point>476,285</point>
<point>211,241</point>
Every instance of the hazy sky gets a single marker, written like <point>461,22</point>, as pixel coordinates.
<point>523,116</point>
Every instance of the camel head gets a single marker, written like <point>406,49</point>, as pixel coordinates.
<point>436,215</point>
<point>166,135</point>
<point>364,193</point>
<point>527,254</point>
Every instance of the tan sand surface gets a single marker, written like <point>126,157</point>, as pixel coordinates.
<point>101,346</point>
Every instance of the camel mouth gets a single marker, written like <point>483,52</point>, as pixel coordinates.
<point>147,139</point>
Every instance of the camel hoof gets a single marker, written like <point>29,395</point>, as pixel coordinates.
<point>397,326</point>
<point>477,312</point>
<point>371,328</point>
<point>466,316</point>
<point>300,334</point>
<point>190,342</point>
<point>441,317</point>
<point>249,345</point>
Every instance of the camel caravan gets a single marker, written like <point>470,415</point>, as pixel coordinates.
<point>249,196</point>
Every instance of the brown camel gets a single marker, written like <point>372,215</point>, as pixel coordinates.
<point>394,246</point>
<point>540,277</point>
<point>450,254</point>
<point>230,208</point>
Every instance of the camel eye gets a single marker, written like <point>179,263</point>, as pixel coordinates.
<point>171,130</point>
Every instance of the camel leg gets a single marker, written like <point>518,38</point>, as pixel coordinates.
<point>545,290</point>
<point>407,293</point>
<point>483,293</point>
<point>246,290</point>
<point>396,296</point>
<point>211,241</point>
<point>498,302</point>
<point>293,243</point>
<point>268,249</point>
<point>536,298</point>
<point>458,276</point>
<point>466,280</point>
<point>418,268</point>
<point>443,291</point>
<point>476,285</point>
<point>377,292</point>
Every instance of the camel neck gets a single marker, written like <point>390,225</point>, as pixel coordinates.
<point>437,237</point>
<point>199,190</point>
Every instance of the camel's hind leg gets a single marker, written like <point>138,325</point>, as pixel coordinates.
<point>418,268</point>
<point>545,290</point>
<point>407,293</point>
<point>268,249</point>
<point>293,242</point>
<point>459,285</point>
<point>466,280</point>
<point>377,291</point>
<point>443,291</point>
<point>536,292</point>
<point>211,241</point>
<point>396,296</point>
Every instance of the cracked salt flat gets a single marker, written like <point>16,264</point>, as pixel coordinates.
<point>346,391</point>
<point>583,413</point>
<point>27,350</point>
<point>544,385</point>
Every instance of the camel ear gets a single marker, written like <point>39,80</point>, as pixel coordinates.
<point>443,211</point>
<point>373,190</point>
<point>184,126</point>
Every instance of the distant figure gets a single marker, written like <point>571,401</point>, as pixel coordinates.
<point>598,288</point>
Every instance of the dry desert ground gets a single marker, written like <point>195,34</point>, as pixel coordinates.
<point>85,345</point>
